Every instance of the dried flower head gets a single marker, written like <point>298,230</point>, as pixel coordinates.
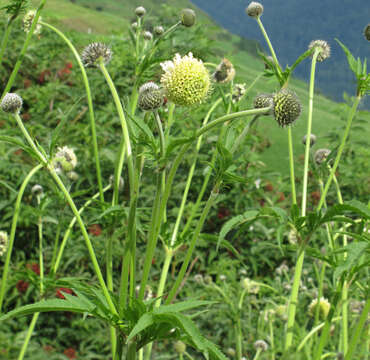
<point>3,242</point>
<point>321,155</point>
<point>140,11</point>
<point>263,100</point>
<point>186,81</point>
<point>254,9</point>
<point>225,72</point>
<point>312,139</point>
<point>65,159</point>
<point>261,345</point>
<point>150,96</point>
<point>367,32</point>
<point>251,286</point>
<point>37,190</point>
<point>188,17</point>
<point>179,347</point>
<point>324,307</point>
<point>92,54</point>
<point>27,22</point>
<point>158,30</point>
<point>238,92</point>
<point>11,103</point>
<point>147,35</point>
<point>287,107</point>
<point>324,49</point>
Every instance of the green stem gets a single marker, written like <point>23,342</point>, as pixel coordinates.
<point>28,336</point>
<point>41,257</point>
<point>291,166</point>
<point>162,281</point>
<point>13,229</point>
<point>131,351</point>
<point>56,245</point>
<point>351,115</point>
<point>90,105</point>
<point>238,335</point>
<point>257,354</point>
<point>4,41</point>
<point>24,49</point>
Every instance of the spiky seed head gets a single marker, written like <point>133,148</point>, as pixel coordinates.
<point>158,30</point>
<point>321,155</point>
<point>287,107</point>
<point>37,190</point>
<point>186,81</point>
<point>263,100</point>
<point>94,52</point>
<point>179,347</point>
<point>121,182</point>
<point>254,9</point>
<point>65,159</point>
<point>150,96</point>
<point>238,92</point>
<point>27,22</point>
<point>140,11</point>
<point>134,25</point>
<point>3,242</point>
<point>261,345</point>
<point>367,32</point>
<point>11,103</point>
<point>147,35</point>
<point>324,49</point>
<point>225,72</point>
<point>312,139</point>
<point>324,308</point>
<point>188,17</point>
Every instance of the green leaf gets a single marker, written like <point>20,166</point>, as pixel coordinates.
<point>181,306</point>
<point>144,322</point>
<point>351,60</point>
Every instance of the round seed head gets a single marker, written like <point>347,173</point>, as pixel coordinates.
<point>158,30</point>
<point>263,100</point>
<point>324,49</point>
<point>11,103</point>
<point>261,344</point>
<point>324,307</point>
<point>225,72</point>
<point>287,107</point>
<point>321,155</point>
<point>254,9</point>
<point>312,139</point>
<point>367,32</point>
<point>65,159</point>
<point>140,11</point>
<point>179,347</point>
<point>37,190</point>
<point>150,97</point>
<point>188,17</point>
<point>27,22</point>
<point>94,52</point>
<point>147,35</point>
<point>3,242</point>
<point>186,81</point>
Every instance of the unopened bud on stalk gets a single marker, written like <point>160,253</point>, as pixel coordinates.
<point>140,11</point>
<point>254,9</point>
<point>94,52</point>
<point>37,190</point>
<point>179,347</point>
<point>263,100</point>
<point>312,139</point>
<point>225,72</point>
<point>321,155</point>
<point>11,103</point>
<point>134,25</point>
<point>147,35</point>
<point>188,17</point>
<point>367,32</point>
<point>261,345</point>
<point>324,49</point>
<point>158,30</point>
<point>287,107</point>
<point>3,242</point>
<point>150,97</point>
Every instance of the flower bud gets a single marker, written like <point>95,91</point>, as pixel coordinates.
<point>225,72</point>
<point>324,307</point>
<point>37,190</point>
<point>254,9</point>
<point>321,155</point>
<point>11,103</point>
<point>27,22</point>
<point>263,100</point>
<point>188,17</point>
<point>140,11</point>
<point>3,242</point>
<point>367,32</point>
<point>261,345</point>
<point>231,352</point>
<point>250,286</point>
<point>94,52</point>
<point>65,159</point>
<point>72,175</point>
<point>312,139</point>
<point>179,347</point>
<point>208,279</point>
<point>324,49</point>
<point>287,107</point>
<point>158,30</point>
<point>147,35</point>
<point>134,25</point>
<point>150,97</point>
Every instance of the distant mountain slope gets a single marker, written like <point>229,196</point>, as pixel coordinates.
<point>292,24</point>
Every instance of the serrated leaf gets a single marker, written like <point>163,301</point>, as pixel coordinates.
<point>350,58</point>
<point>144,322</point>
<point>181,306</point>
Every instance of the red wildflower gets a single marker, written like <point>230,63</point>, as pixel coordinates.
<point>59,292</point>
<point>223,212</point>
<point>26,116</point>
<point>22,286</point>
<point>34,267</point>
<point>268,187</point>
<point>68,65</point>
<point>315,196</point>
<point>95,229</point>
<point>70,353</point>
<point>281,197</point>
<point>27,83</point>
<point>18,152</point>
<point>43,76</point>
<point>48,348</point>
